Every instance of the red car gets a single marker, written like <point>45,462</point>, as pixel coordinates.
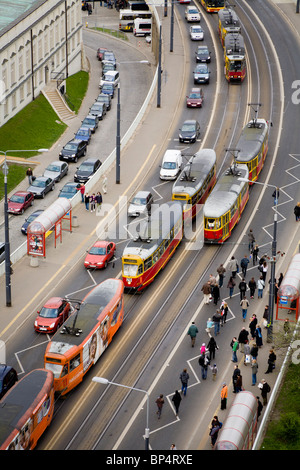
<point>100,254</point>
<point>19,202</point>
<point>53,314</point>
<point>195,98</point>
<point>100,52</point>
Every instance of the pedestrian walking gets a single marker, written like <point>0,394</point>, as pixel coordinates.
<point>258,336</point>
<point>239,384</point>
<point>212,346</point>
<point>176,399</point>
<point>104,185</point>
<point>217,317</point>
<point>259,407</point>
<point>244,265</point>
<point>209,325</point>
<point>235,346</point>
<point>221,271</point>
<point>247,356</point>
<point>260,287</point>
<point>215,292</point>
<point>275,195</point>
<point>243,337</point>
<point>286,326</point>
<point>192,332</point>
<point>251,240</point>
<point>242,288</point>
<point>98,201</point>
<point>230,285</point>
<point>206,289</point>
<point>297,211</point>
<point>224,396</point>
<point>81,189</point>
<point>203,363</point>
<point>265,389</point>
<point>254,351</point>
<point>244,303</point>
<point>271,362</point>
<point>224,312</point>
<point>87,201</point>
<point>280,280</point>
<point>214,371</point>
<point>93,202</point>
<point>184,377</point>
<point>264,271</point>
<point>252,286</point>
<point>255,252</point>
<point>29,174</point>
<point>233,266</point>
<point>236,373</point>
<point>212,279</point>
<point>203,349</point>
<point>252,325</point>
<point>254,368</point>
<point>159,402</point>
<point>214,430</point>
<point>266,316</point>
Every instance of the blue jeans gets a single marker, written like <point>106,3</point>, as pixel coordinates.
<point>260,293</point>
<point>244,312</point>
<point>253,379</point>
<point>217,327</point>
<point>234,356</point>
<point>184,388</point>
<point>204,372</point>
<point>230,291</point>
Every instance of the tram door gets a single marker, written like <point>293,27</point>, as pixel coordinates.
<point>225,225</point>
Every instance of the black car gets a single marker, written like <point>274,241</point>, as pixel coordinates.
<point>30,219</point>
<point>190,131</point>
<point>86,170</point>
<point>201,73</point>
<point>69,190</point>
<point>91,122</point>
<point>73,150</point>
<point>105,99</point>
<point>203,54</point>
<point>8,378</point>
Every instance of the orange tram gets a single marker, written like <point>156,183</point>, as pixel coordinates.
<point>26,411</point>
<point>224,207</point>
<point>195,182</point>
<point>82,339</point>
<point>213,6</point>
<point>253,146</point>
<point>146,255</point>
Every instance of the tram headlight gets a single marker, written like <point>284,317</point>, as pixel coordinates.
<point>128,280</point>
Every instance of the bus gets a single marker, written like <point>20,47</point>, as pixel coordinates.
<point>82,339</point>
<point>147,254</point>
<point>224,207</point>
<point>196,181</point>
<point>235,58</point>
<point>26,411</point>
<point>213,6</point>
<point>228,22</point>
<point>142,27</point>
<point>253,146</point>
<point>127,18</point>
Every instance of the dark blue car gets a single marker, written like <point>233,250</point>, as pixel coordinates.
<point>28,221</point>
<point>84,133</point>
<point>8,378</point>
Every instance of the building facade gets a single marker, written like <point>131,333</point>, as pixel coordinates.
<point>42,41</point>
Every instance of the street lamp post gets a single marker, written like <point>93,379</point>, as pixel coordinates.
<point>273,263</point>
<point>6,225</point>
<point>104,381</point>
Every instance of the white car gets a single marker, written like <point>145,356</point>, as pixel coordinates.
<point>112,77</point>
<point>196,33</point>
<point>171,165</point>
<point>192,14</point>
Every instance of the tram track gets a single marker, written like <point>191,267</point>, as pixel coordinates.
<point>97,422</point>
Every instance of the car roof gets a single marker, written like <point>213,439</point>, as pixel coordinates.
<point>111,72</point>
<point>190,121</point>
<point>43,178</point>
<point>142,193</point>
<point>57,162</point>
<point>21,193</point>
<point>75,141</point>
<point>53,302</point>
<point>101,243</point>
<point>91,116</point>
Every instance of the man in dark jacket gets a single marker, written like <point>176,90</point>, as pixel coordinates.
<point>243,337</point>
<point>244,265</point>
<point>192,332</point>
<point>243,288</point>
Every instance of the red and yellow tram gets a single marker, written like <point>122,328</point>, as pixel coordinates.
<point>145,256</point>
<point>228,22</point>
<point>253,146</point>
<point>234,57</point>
<point>225,205</point>
<point>213,6</point>
<point>195,182</point>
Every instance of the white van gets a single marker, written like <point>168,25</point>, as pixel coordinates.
<point>112,77</point>
<point>142,26</point>
<point>171,165</point>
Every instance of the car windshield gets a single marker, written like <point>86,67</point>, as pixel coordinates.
<point>139,201</point>
<point>53,168</point>
<point>97,251</point>
<point>194,96</point>
<point>107,86</point>
<point>70,147</point>
<point>169,166</point>
<point>109,78</point>
<point>32,217</point>
<point>188,127</point>
<point>69,189</point>
<point>86,167</point>
<point>83,132</point>
<point>39,183</point>
<point>201,69</point>
<point>130,270</point>
<point>193,10</point>
<point>48,312</point>
<point>196,29</point>
<point>202,52</point>
<point>19,199</point>
<point>90,122</point>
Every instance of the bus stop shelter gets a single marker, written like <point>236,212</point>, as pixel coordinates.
<point>50,219</point>
<point>288,293</point>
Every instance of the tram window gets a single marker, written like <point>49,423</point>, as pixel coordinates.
<point>156,256</point>
<point>166,242</point>
<point>148,263</point>
<point>65,370</point>
<point>140,269</point>
<point>74,362</point>
<point>161,249</point>
<point>130,269</point>
<point>172,234</point>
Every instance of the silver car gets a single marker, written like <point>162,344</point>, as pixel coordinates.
<point>56,170</point>
<point>140,204</point>
<point>41,186</point>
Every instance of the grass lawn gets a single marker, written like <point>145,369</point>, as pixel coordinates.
<point>35,126</point>
<point>16,174</point>
<point>76,87</point>
<point>283,431</point>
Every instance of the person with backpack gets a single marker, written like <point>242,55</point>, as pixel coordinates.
<point>184,377</point>
<point>243,288</point>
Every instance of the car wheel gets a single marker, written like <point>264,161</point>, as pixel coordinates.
<point>75,160</point>
<point>22,212</point>
<point>105,265</point>
<point>84,152</point>
<point>43,195</point>
<point>32,202</point>
<point>53,187</point>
